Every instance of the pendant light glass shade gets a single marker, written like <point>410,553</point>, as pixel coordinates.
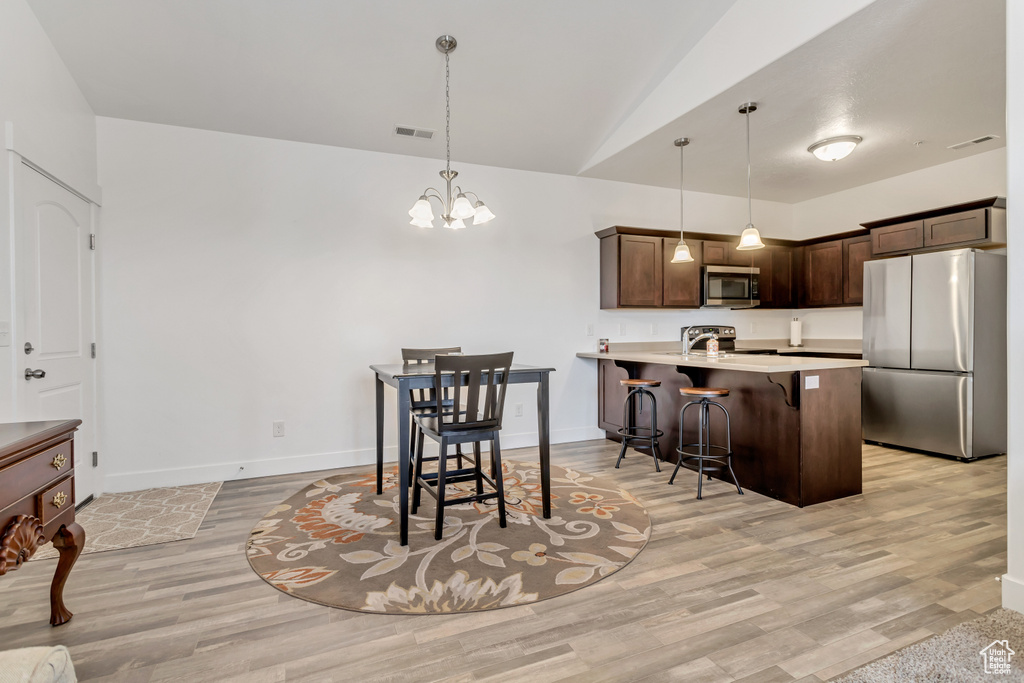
<point>682,252</point>
<point>455,205</point>
<point>750,238</point>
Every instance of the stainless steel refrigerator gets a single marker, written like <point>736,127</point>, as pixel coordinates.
<point>935,342</point>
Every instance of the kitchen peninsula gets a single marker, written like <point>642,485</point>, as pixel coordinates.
<point>796,429</point>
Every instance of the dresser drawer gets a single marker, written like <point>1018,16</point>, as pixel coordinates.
<point>55,499</point>
<point>34,472</point>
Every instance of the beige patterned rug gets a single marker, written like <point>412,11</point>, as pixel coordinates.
<point>127,520</point>
<point>987,649</point>
<point>336,543</point>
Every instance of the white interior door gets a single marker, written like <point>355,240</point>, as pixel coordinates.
<point>55,313</point>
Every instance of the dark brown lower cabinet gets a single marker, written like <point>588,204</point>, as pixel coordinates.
<point>798,445</point>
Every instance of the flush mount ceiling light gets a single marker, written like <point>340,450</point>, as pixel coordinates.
<point>750,238</point>
<point>682,253</point>
<point>455,207</point>
<point>834,149</point>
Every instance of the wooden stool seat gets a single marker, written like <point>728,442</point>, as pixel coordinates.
<point>703,391</point>
<point>640,382</point>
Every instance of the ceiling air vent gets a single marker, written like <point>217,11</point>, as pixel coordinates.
<point>975,141</point>
<point>410,132</point>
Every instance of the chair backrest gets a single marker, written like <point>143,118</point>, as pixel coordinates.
<point>425,397</point>
<point>489,373</point>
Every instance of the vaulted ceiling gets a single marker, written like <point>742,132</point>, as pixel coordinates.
<point>544,86</point>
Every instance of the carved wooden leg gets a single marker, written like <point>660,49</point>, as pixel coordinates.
<point>69,541</point>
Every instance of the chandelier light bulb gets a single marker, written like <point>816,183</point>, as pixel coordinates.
<point>422,223</point>
<point>750,238</point>
<point>462,208</point>
<point>421,209</point>
<point>483,214</point>
<point>454,223</point>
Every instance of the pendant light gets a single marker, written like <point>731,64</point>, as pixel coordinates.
<point>682,253</point>
<point>457,207</point>
<point>750,238</point>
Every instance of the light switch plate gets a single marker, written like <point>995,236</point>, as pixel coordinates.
<point>811,382</point>
<point>5,333</point>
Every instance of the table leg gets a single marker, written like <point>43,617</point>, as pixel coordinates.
<point>69,541</point>
<point>403,461</point>
<point>380,435</point>
<point>544,445</point>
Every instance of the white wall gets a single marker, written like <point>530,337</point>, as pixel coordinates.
<point>1013,581</point>
<point>45,119</point>
<point>247,280</point>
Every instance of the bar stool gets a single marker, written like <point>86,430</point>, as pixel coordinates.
<point>638,388</point>
<point>721,455</point>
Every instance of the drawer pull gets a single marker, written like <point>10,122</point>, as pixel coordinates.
<point>59,499</point>
<point>59,461</point>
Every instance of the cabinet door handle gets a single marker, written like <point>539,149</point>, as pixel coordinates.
<point>59,461</point>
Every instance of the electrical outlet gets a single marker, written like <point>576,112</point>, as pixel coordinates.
<point>279,428</point>
<point>519,410</point>
<point>753,327</point>
<point>654,328</point>
<point>590,329</point>
<point>622,329</point>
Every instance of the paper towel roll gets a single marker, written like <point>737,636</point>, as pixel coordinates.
<point>795,333</point>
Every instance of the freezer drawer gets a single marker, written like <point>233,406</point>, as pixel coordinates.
<point>928,411</point>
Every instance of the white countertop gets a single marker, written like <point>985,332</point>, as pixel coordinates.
<point>669,353</point>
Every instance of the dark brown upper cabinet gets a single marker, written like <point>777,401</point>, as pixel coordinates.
<point>637,272</point>
<point>898,238</point>
<point>980,223</point>
<point>856,250</point>
<point>823,274</point>
<point>681,280</point>
<point>719,253</point>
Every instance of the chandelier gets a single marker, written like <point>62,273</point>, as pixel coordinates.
<point>456,206</point>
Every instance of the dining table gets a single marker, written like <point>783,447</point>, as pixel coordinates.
<point>410,376</point>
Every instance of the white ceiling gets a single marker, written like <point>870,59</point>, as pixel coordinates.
<point>539,85</point>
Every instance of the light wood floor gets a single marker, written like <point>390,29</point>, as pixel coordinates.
<point>729,588</point>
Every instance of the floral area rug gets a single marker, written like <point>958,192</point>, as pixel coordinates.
<point>336,543</point>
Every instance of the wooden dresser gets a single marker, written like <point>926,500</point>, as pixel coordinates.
<point>37,500</point>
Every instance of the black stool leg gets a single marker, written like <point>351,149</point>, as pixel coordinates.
<point>478,468</point>
<point>439,515</point>
<point>499,479</point>
<point>655,451</point>
<point>702,416</point>
<point>728,445</point>
<point>417,465</point>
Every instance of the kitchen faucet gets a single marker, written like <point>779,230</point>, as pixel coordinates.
<point>688,342</point>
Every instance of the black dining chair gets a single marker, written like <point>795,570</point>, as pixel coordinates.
<point>424,401</point>
<point>478,385</point>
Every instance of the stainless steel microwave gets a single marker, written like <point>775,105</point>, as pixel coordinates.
<point>730,287</point>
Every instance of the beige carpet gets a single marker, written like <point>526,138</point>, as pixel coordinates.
<point>956,656</point>
<point>335,543</point>
<point>127,520</point>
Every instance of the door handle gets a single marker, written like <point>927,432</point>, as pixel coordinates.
<point>38,374</point>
